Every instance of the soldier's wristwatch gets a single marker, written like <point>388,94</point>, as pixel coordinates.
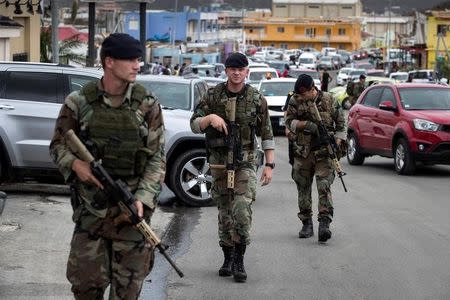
<point>271,165</point>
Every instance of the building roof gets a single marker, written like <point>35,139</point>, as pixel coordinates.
<point>441,14</point>
<point>7,22</point>
<point>315,1</point>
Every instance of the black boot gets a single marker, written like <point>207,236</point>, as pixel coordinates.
<point>228,253</point>
<point>324,230</point>
<point>307,229</point>
<point>238,263</point>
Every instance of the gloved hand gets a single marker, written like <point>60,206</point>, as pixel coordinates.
<point>312,128</point>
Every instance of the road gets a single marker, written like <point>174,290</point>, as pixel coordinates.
<point>390,241</point>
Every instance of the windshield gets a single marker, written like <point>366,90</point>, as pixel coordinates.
<point>325,58</point>
<point>353,73</point>
<point>345,71</point>
<point>425,98</point>
<point>295,73</point>
<point>306,60</point>
<point>400,77</point>
<point>276,88</point>
<point>257,76</point>
<point>170,94</point>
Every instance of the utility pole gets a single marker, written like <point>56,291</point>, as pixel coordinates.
<point>55,23</point>
<point>388,34</point>
<point>175,22</point>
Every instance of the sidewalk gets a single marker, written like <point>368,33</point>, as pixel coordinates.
<point>35,233</point>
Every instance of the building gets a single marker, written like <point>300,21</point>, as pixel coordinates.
<point>22,43</point>
<point>328,9</point>
<point>294,33</point>
<point>438,37</point>
<point>386,30</point>
<point>165,26</point>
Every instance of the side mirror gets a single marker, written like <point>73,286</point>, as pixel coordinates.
<point>387,105</point>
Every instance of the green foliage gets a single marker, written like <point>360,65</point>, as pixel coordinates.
<point>66,48</point>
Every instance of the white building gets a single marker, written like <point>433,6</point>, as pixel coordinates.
<point>317,8</point>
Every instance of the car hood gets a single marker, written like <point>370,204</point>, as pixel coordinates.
<point>436,116</point>
<point>276,100</point>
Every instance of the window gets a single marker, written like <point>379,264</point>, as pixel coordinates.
<point>341,31</point>
<point>328,31</point>
<point>41,87</point>
<point>313,6</point>
<point>280,29</point>
<point>283,46</point>
<point>373,98</point>
<point>311,32</point>
<point>442,29</point>
<point>77,82</point>
<point>347,7</point>
<point>388,95</point>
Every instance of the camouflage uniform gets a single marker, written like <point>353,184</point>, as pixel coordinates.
<point>130,141</point>
<point>235,217</point>
<point>311,158</point>
<point>357,89</point>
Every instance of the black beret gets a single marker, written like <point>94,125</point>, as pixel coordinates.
<point>236,60</point>
<point>304,83</point>
<point>362,76</point>
<point>122,46</point>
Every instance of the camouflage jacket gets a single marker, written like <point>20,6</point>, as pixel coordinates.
<point>251,115</point>
<point>330,111</point>
<point>75,114</point>
<point>358,88</point>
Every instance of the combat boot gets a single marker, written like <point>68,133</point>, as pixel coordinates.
<point>238,263</point>
<point>307,229</point>
<point>324,229</point>
<point>228,253</point>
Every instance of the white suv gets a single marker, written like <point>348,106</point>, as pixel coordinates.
<point>31,95</point>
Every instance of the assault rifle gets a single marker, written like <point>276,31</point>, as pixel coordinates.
<point>330,142</point>
<point>233,144</point>
<point>120,194</point>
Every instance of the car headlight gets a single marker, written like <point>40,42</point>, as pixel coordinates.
<point>425,125</point>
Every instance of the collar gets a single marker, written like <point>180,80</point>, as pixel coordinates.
<point>102,93</point>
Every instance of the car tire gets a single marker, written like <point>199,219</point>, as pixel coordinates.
<point>403,160</point>
<point>354,155</point>
<point>190,178</point>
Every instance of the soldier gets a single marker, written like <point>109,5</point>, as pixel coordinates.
<point>311,156</point>
<point>121,124</point>
<point>289,134</point>
<point>355,89</point>
<point>210,117</point>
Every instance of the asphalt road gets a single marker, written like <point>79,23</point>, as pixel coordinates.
<point>390,241</point>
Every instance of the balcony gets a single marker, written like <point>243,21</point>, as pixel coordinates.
<point>322,38</point>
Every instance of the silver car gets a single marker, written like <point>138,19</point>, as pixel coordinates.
<point>31,96</point>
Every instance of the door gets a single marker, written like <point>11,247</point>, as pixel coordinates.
<point>366,112</point>
<point>384,122</point>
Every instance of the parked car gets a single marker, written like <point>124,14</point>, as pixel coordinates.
<point>31,95</point>
<point>215,70</point>
<point>295,72</point>
<point>342,76</point>
<point>399,76</point>
<point>407,122</point>
<point>308,60</point>
<point>376,72</point>
<point>423,76</point>
<point>255,75</point>
<point>275,91</point>
<point>355,73</point>
<point>325,62</point>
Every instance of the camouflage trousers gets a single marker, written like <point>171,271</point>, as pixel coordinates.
<point>235,213</point>
<point>303,173</point>
<point>104,254</point>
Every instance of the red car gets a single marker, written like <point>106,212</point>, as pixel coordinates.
<point>409,122</point>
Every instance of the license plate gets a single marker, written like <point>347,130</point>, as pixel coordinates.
<point>281,122</point>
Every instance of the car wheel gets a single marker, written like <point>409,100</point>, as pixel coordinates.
<point>190,178</point>
<point>403,160</point>
<point>354,155</point>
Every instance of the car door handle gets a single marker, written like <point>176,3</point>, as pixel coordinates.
<point>6,107</point>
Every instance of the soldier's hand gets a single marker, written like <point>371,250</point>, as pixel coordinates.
<point>266,176</point>
<point>338,142</point>
<point>218,123</point>
<point>83,171</point>
<point>139,208</point>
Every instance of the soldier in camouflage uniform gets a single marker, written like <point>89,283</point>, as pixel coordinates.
<point>311,156</point>
<point>121,124</point>
<point>356,89</point>
<point>235,214</point>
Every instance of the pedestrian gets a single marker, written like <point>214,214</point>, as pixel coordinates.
<point>355,89</point>
<point>193,74</point>
<point>121,124</point>
<point>183,66</point>
<point>210,117</point>
<point>311,155</point>
<point>325,80</point>
<point>285,72</point>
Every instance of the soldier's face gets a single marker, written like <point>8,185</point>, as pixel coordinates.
<point>124,69</point>
<point>236,75</point>
<point>310,95</point>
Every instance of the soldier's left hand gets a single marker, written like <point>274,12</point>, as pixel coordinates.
<point>266,176</point>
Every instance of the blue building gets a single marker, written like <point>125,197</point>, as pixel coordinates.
<point>184,26</point>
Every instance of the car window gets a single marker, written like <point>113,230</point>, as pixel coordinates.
<point>256,76</point>
<point>32,86</point>
<point>388,95</point>
<point>170,94</point>
<point>197,94</point>
<point>76,82</point>
<point>372,98</point>
<point>276,88</point>
<point>425,98</point>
